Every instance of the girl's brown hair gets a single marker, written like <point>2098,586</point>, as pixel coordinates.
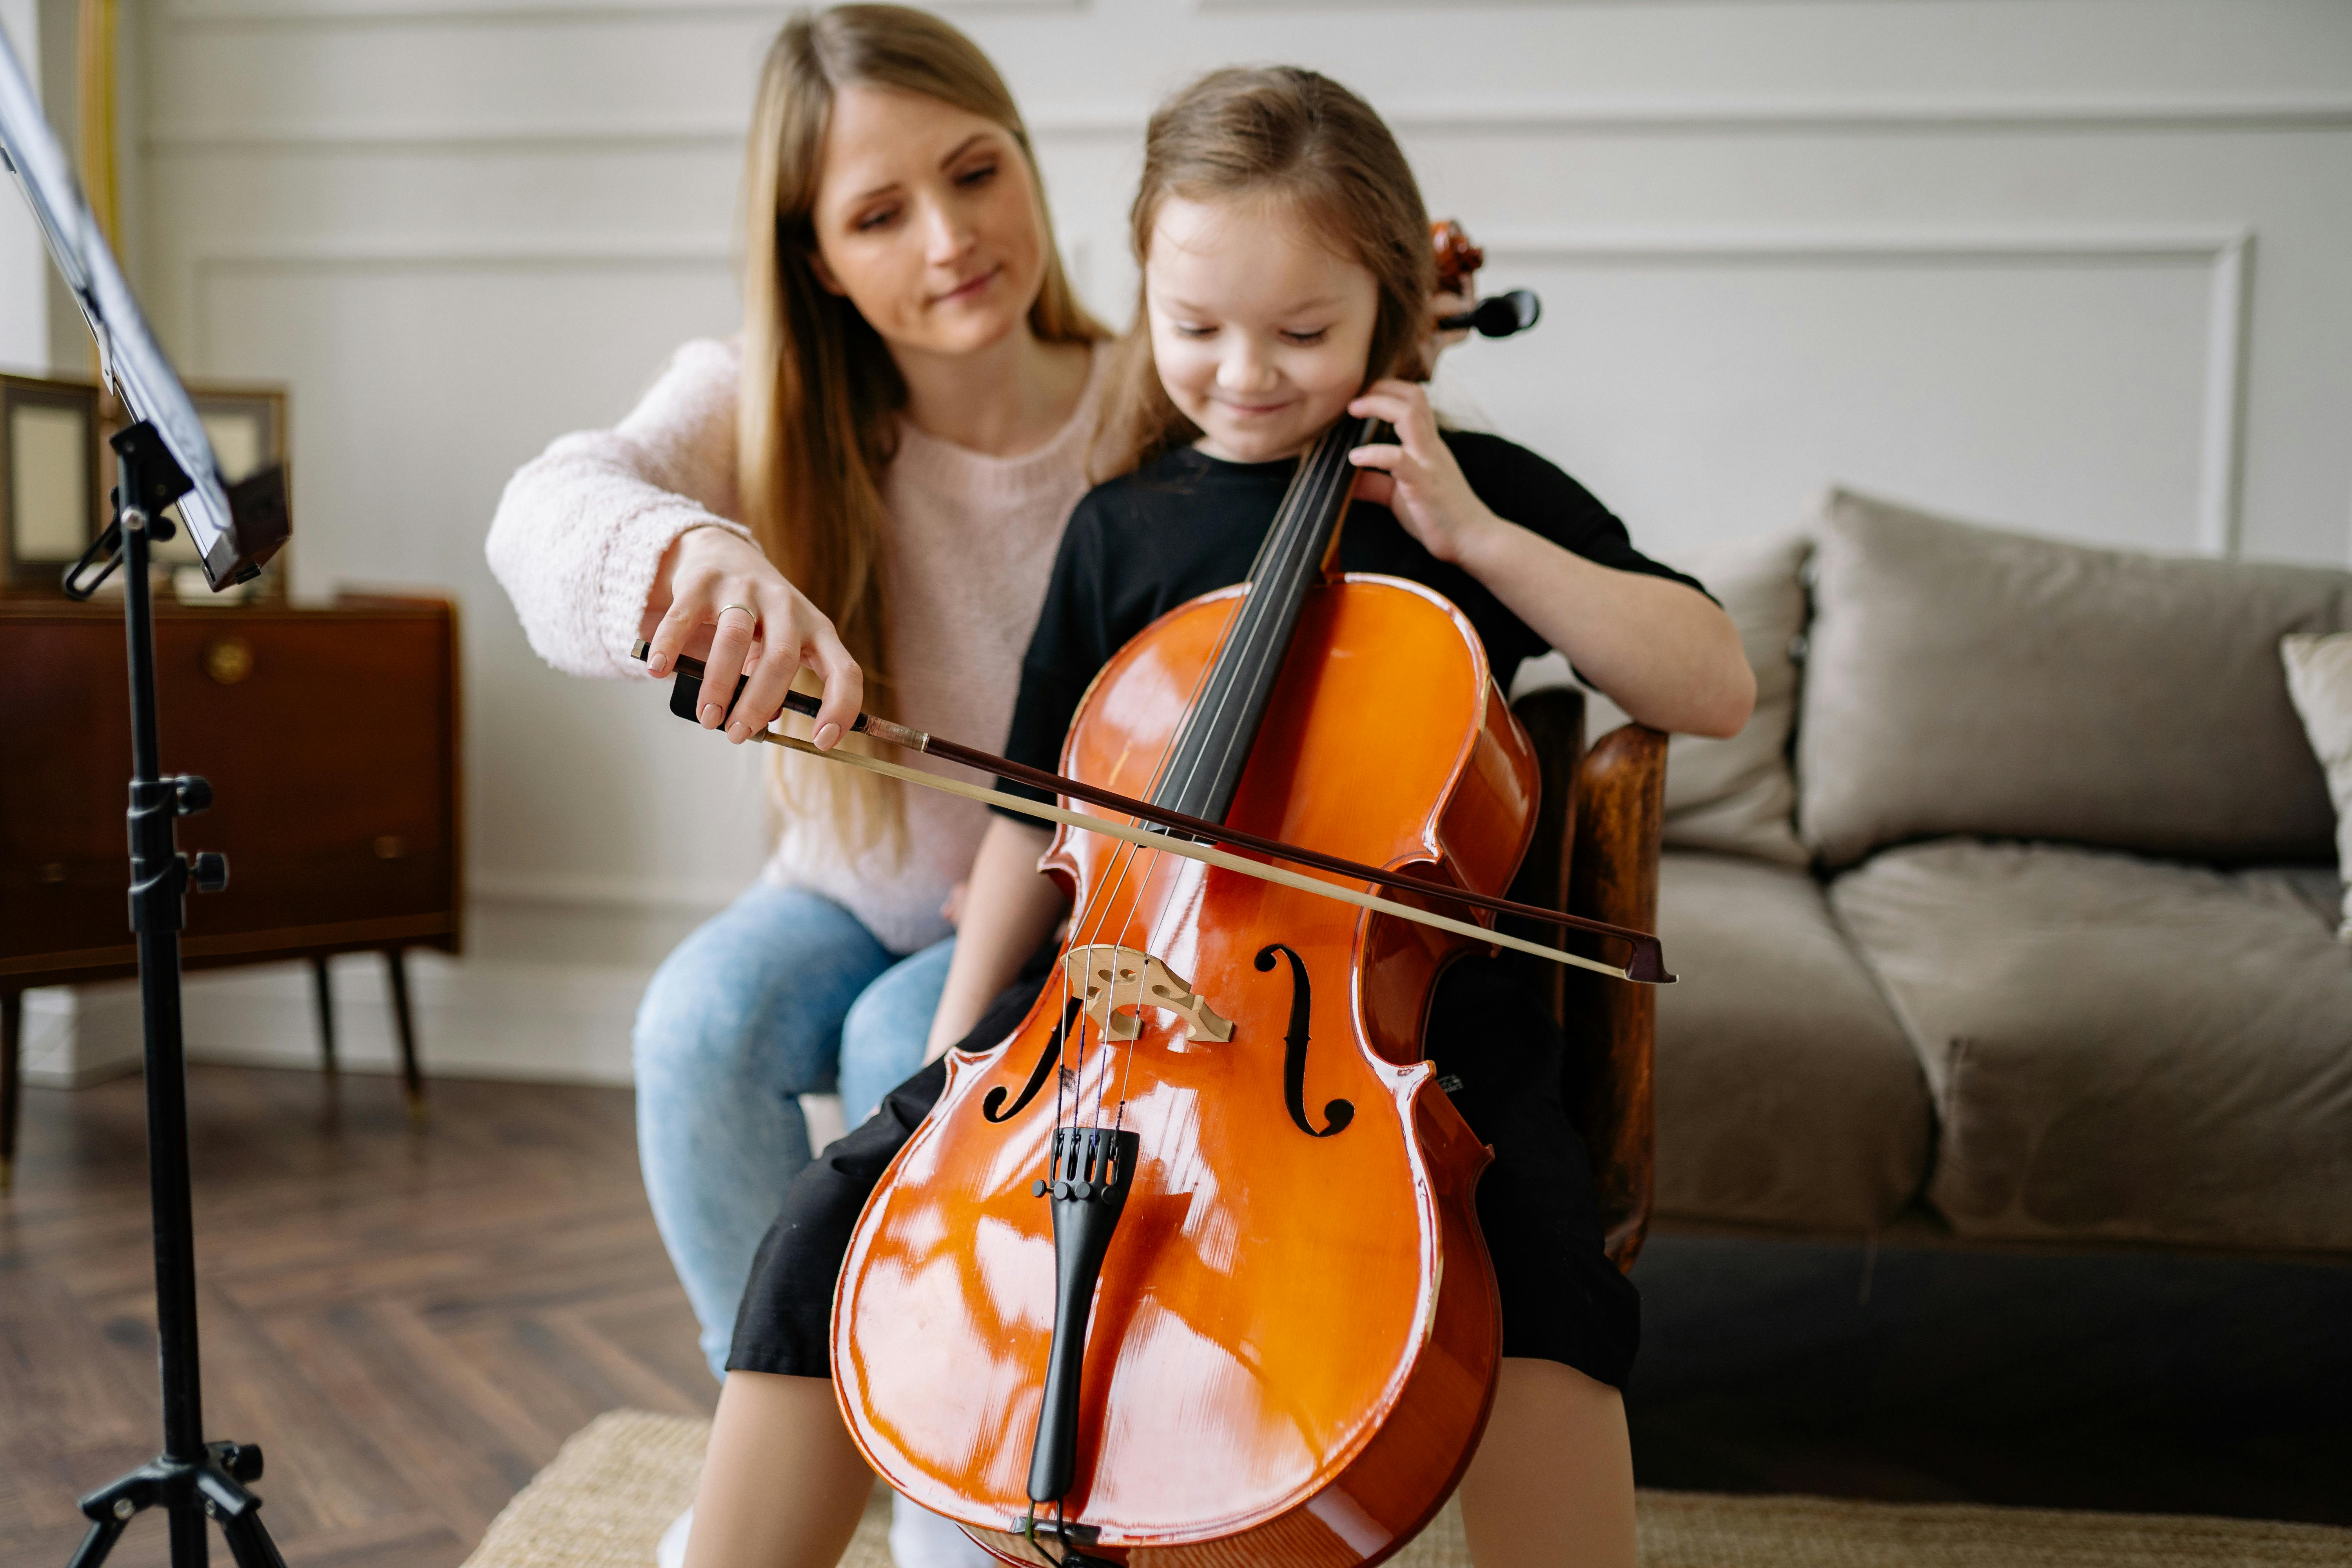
<point>817,417</point>
<point>1291,135</point>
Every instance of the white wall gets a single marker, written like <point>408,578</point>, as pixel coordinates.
<point>2076,266</point>
<point>24,288</point>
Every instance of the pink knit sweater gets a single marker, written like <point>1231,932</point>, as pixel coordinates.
<point>583,526</point>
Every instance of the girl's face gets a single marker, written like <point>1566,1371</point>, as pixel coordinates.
<point>1260,329</point>
<point>926,220</point>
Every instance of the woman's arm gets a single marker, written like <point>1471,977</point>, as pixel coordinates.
<point>583,531</point>
<point>1008,909</point>
<point>1665,652</point>
<point>613,535</point>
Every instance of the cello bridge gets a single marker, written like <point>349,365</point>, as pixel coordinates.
<point>1115,980</point>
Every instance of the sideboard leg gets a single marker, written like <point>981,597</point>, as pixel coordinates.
<point>395,963</point>
<point>12,1067</point>
<point>322,992</point>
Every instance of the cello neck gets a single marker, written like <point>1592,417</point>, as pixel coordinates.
<point>1205,766</point>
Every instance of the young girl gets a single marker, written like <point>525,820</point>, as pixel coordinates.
<point>1285,260</point>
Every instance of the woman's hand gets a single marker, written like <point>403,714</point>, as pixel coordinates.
<point>1416,476</point>
<point>714,587</point>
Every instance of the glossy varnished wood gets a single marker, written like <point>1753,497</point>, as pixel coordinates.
<point>1295,1340</point>
<point>330,737</point>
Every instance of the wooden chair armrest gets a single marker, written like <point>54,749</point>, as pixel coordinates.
<point>1611,1027</point>
<point>1595,852</point>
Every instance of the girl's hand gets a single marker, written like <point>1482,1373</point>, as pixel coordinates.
<point>715,588</point>
<point>1416,476</point>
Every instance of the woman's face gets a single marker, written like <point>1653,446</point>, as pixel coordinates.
<point>927,221</point>
<point>1260,329</point>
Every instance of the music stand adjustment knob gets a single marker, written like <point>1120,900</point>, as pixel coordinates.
<point>194,792</point>
<point>209,871</point>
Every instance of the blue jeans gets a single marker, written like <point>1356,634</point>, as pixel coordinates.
<point>779,994</point>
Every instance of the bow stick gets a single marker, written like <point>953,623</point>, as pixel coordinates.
<point>1647,965</point>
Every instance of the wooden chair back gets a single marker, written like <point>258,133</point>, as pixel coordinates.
<point>1595,853</point>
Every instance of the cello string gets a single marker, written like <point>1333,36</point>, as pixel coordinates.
<point>1329,462</point>
<point>1272,550</point>
<point>1287,542</point>
<point>1285,556</point>
<point>1101,903</point>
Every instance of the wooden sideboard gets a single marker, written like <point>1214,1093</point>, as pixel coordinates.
<point>331,737</point>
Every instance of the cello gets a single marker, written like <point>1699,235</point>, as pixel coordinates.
<point>1219,1297</point>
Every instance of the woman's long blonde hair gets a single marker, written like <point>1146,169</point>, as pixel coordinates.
<point>1288,135</point>
<point>818,417</point>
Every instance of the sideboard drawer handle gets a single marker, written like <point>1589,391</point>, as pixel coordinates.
<point>228,659</point>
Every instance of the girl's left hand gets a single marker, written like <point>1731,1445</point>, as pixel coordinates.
<point>1416,476</point>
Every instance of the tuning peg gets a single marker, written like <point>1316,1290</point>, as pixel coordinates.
<point>1497,315</point>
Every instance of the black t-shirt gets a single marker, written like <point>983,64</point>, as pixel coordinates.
<point>1187,524</point>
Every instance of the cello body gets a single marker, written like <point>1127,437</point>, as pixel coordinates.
<point>1293,1345</point>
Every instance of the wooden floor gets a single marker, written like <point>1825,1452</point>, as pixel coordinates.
<point>410,1324</point>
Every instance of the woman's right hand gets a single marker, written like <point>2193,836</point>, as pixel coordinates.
<point>715,590</point>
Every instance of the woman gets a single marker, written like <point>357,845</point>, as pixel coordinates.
<point>868,483</point>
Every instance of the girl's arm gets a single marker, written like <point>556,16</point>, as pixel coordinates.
<point>1663,651</point>
<point>1008,909</point>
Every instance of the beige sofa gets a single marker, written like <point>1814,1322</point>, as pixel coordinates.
<point>2011,916</point>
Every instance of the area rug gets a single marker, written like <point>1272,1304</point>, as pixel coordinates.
<point>624,1477</point>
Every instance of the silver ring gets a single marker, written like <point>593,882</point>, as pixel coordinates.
<point>745,608</point>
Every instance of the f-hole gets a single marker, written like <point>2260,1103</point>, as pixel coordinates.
<point>988,1107</point>
<point>1336,1113</point>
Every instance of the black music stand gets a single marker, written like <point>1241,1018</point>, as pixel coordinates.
<point>161,459</point>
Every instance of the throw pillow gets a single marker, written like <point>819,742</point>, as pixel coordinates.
<point>2320,679</point>
<point>1964,681</point>
<point>1736,796</point>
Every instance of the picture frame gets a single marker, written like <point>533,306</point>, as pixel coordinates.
<point>245,422</point>
<point>52,491</point>
<point>56,472</point>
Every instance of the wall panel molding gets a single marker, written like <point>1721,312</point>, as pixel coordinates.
<point>1664,117</point>
<point>2227,254</point>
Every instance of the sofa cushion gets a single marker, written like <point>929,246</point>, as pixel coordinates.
<point>1962,680</point>
<point>1738,795</point>
<point>1786,1093</point>
<point>2120,1047</point>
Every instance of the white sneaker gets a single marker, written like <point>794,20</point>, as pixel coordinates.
<point>671,1553</point>
<point>922,1538</point>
